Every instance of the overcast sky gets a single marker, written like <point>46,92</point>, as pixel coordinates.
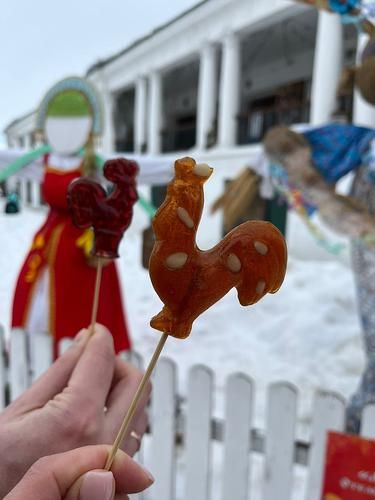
<point>42,41</point>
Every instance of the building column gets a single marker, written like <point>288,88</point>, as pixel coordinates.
<point>23,190</point>
<point>207,91</point>
<point>155,122</point>
<point>328,62</point>
<point>140,115</point>
<point>108,141</point>
<point>35,194</point>
<point>229,91</point>
<point>363,113</point>
<point>27,141</point>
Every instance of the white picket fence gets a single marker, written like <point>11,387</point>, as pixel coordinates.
<point>185,428</point>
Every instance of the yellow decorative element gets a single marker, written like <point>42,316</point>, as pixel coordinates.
<point>39,242</point>
<point>86,242</point>
<point>34,263</point>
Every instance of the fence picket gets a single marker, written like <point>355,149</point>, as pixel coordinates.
<point>198,433</point>
<point>3,381</point>
<point>328,414</point>
<point>19,365</point>
<point>368,422</point>
<point>163,418</point>
<point>136,359</point>
<point>237,434</point>
<point>280,436</point>
<point>41,350</point>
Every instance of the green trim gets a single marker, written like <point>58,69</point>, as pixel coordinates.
<point>147,206</point>
<point>277,212</point>
<point>22,161</point>
<point>69,103</point>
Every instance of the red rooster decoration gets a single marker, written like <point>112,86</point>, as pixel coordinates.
<point>109,215</point>
<point>252,257</point>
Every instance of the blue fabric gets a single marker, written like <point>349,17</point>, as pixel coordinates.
<point>343,6</point>
<point>338,148</point>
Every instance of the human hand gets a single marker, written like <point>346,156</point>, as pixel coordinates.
<point>80,400</point>
<point>76,475</point>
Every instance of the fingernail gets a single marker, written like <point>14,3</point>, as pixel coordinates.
<point>97,485</point>
<point>148,473</point>
<point>103,332</point>
<point>80,336</point>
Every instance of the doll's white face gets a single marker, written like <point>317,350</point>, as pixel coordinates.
<point>67,135</point>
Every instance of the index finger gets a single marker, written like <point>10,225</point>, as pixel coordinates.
<point>92,376</point>
<point>52,381</point>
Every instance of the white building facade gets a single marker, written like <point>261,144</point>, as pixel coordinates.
<point>212,81</point>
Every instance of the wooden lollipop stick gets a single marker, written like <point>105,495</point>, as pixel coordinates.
<point>128,417</point>
<point>96,296</point>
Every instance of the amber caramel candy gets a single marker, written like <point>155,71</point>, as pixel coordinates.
<point>251,258</point>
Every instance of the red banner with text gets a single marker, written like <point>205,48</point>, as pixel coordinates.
<point>350,468</point>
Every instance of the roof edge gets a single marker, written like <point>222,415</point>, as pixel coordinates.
<point>17,120</point>
<point>104,62</point>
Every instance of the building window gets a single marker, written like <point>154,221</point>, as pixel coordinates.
<point>286,105</point>
<point>124,121</point>
<point>181,136</point>
<point>180,90</point>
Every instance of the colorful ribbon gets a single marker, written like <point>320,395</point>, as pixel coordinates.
<point>305,210</point>
<point>354,12</point>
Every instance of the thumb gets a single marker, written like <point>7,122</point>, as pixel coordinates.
<point>94,485</point>
<point>64,476</point>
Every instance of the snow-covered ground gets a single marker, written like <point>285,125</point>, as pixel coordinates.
<point>308,333</point>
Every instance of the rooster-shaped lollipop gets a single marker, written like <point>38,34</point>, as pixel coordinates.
<point>251,258</point>
<point>109,215</point>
